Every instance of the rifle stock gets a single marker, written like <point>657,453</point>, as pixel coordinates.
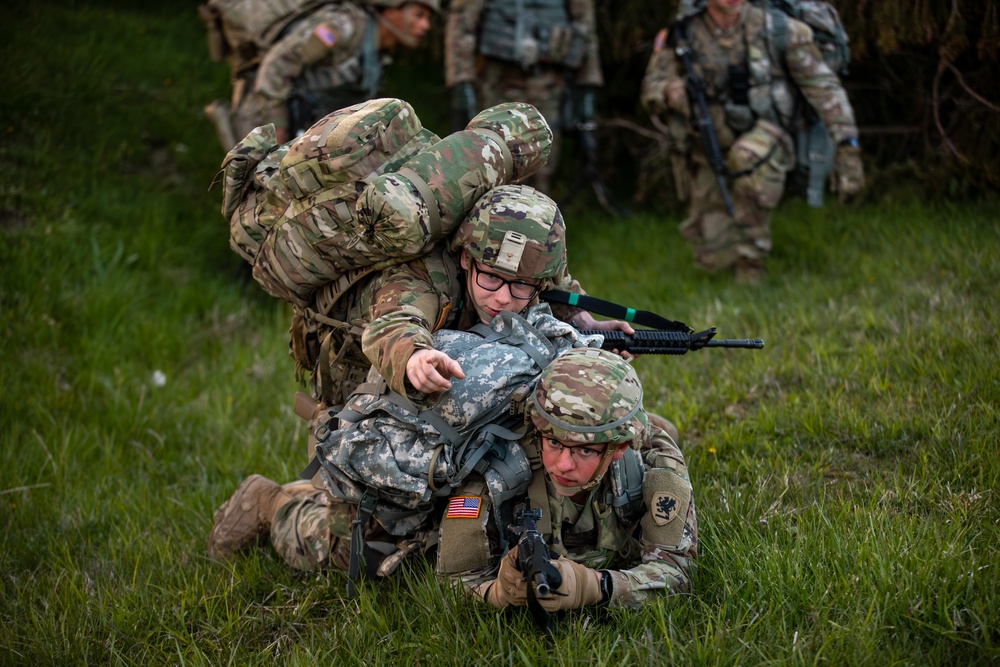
<point>669,342</point>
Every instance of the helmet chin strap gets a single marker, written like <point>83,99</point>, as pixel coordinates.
<point>483,315</point>
<point>601,468</point>
<point>405,38</point>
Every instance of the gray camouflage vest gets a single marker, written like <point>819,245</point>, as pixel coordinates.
<point>531,32</point>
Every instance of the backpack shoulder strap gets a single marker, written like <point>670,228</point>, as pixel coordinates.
<point>777,33</point>
<point>625,492</point>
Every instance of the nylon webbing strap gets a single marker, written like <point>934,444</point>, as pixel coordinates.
<point>310,470</point>
<point>433,215</point>
<point>611,309</point>
<point>365,509</point>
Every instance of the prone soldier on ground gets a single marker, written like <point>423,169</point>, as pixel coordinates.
<point>617,504</point>
<point>759,73</point>
<point>616,499</point>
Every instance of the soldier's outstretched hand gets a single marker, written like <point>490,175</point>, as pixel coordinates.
<point>581,586</point>
<point>430,371</point>
<point>848,173</point>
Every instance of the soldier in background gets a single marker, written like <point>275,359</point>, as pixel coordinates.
<point>753,94</point>
<point>329,57</point>
<point>525,51</point>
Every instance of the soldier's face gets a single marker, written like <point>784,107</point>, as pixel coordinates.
<point>412,19</point>
<point>489,302</point>
<point>724,7</point>
<point>572,469</point>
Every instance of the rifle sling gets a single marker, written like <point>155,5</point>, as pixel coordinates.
<point>611,309</point>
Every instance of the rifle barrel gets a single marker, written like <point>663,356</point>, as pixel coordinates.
<point>749,343</point>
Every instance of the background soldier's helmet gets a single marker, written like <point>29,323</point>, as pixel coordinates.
<point>515,230</point>
<point>433,5</point>
<point>589,395</point>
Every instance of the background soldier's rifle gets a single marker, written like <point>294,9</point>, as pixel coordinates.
<point>578,118</point>
<point>700,118</point>
<point>535,561</point>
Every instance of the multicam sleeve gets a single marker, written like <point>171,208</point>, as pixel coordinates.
<point>668,546</point>
<point>661,70</point>
<point>329,31</point>
<point>460,41</point>
<point>563,311</point>
<point>583,13</point>
<point>404,311</point>
<point>818,83</point>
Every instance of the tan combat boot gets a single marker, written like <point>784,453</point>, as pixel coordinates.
<point>246,516</point>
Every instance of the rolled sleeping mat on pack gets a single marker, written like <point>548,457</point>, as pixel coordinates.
<point>406,212</point>
<point>524,130</point>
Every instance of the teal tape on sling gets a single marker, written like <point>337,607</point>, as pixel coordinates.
<point>601,307</point>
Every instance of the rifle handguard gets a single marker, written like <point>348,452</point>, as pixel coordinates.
<point>668,342</point>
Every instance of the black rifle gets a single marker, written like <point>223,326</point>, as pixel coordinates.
<point>669,342</point>
<point>535,561</point>
<point>578,118</point>
<point>700,118</point>
<point>667,337</point>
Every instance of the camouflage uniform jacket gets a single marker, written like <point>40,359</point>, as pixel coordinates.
<point>321,55</point>
<point>407,304</point>
<point>594,535</point>
<point>462,36</point>
<point>771,96</point>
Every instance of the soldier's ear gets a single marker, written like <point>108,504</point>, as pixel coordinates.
<point>620,451</point>
<point>464,259</point>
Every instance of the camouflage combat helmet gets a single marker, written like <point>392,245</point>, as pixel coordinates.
<point>517,231</point>
<point>589,396</point>
<point>433,5</point>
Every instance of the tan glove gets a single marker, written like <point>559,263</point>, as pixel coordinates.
<point>509,588</point>
<point>848,173</point>
<point>581,586</point>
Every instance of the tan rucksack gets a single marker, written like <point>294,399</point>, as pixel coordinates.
<point>364,188</point>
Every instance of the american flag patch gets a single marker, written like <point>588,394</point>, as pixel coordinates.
<point>463,507</point>
<point>325,35</point>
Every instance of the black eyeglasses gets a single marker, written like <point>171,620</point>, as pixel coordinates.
<point>491,282</point>
<point>579,452</point>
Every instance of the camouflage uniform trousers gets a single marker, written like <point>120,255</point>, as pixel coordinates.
<point>719,239</point>
<point>313,532</point>
<point>542,87</point>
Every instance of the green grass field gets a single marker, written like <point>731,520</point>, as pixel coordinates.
<point>846,476</point>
